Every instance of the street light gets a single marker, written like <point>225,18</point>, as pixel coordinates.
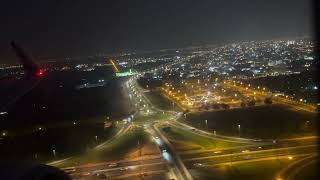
<point>239,128</point>
<point>54,152</point>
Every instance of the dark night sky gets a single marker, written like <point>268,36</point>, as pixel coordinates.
<point>53,28</point>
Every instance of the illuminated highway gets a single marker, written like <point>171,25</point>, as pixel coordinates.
<point>170,164</point>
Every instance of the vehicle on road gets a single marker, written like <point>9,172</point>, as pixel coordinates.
<point>111,165</point>
<point>124,168</point>
<point>102,176</point>
<point>69,169</point>
<point>198,164</point>
<point>164,151</point>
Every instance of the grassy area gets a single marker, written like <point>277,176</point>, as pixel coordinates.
<point>152,117</point>
<point>186,138</point>
<point>22,131</point>
<point>273,121</point>
<point>114,150</point>
<point>160,101</point>
<point>309,172</point>
<point>66,141</point>
<point>262,170</point>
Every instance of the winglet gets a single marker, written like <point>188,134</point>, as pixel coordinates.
<point>30,67</point>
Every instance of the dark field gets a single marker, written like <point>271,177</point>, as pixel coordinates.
<point>55,99</point>
<point>257,122</point>
<point>161,102</point>
<point>309,172</point>
<point>262,170</point>
<point>55,105</point>
<point>66,141</point>
<point>302,85</point>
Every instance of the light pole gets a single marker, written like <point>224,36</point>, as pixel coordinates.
<point>206,121</point>
<point>96,137</point>
<point>54,152</point>
<point>141,162</point>
<point>239,129</point>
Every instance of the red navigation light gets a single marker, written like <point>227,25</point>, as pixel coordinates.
<point>40,73</point>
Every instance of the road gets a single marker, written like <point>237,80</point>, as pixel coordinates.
<point>203,133</point>
<point>171,162</point>
<point>298,106</point>
<point>169,153</point>
<point>121,132</point>
<point>145,166</point>
<point>234,155</point>
<point>294,168</point>
<point>256,149</point>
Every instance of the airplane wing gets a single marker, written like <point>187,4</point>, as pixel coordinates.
<point>30,67</point>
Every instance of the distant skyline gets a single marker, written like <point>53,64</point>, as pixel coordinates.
<point>59,29</point>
